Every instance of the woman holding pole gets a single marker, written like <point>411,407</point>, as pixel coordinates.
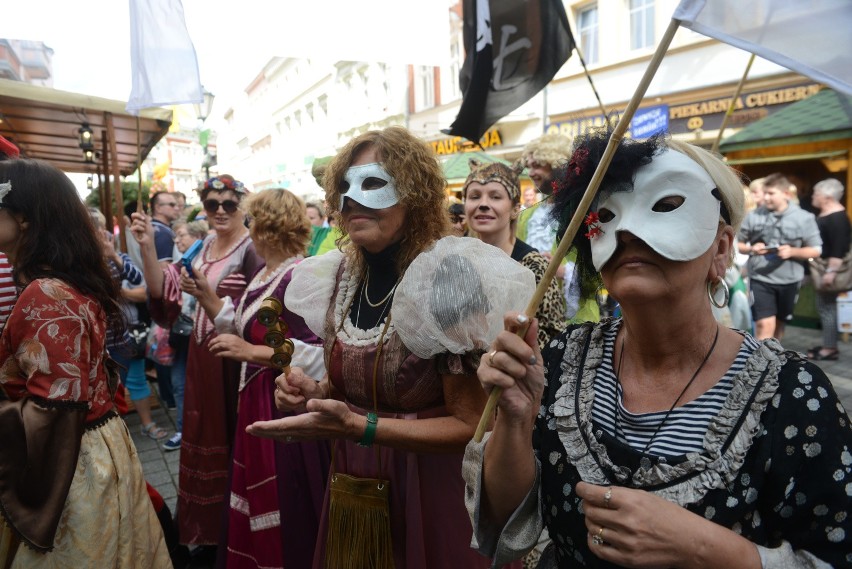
<point>660,438</point>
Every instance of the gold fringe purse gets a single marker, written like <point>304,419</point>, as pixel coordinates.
<point>359,531</point>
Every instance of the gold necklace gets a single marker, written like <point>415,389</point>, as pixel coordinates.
<point>367,296</point>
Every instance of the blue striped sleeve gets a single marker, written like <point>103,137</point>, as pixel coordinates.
<point>129,271</point>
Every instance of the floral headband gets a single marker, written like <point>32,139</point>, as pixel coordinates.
<point>220,183</point>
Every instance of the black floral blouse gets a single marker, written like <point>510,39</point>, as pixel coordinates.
<point>776,466</point>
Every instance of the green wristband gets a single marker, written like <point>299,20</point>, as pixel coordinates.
<point>370,431</point>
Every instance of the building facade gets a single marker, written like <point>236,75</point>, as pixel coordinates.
<point>27,61</point>
<point>297,111</point>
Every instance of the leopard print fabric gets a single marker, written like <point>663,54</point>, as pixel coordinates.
<point>551,312</point>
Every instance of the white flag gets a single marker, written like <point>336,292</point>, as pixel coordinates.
<point>811,37</point>
<point>162,58</point>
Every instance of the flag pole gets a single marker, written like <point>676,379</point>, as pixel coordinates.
<point>732,105</point>
<point>138,166</point>
<point>592,84</point>
<point>585,202</point>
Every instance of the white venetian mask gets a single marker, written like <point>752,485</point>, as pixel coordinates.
<point>370,185</point>
<point>680,234</point>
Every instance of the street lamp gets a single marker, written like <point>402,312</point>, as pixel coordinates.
<point>202,111</point>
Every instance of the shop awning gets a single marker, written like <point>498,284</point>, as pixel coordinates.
<point>457,166</point>
<point>822,117</point>
<point>44,123</point>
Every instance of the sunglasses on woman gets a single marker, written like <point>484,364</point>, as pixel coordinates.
<point>212,206</point>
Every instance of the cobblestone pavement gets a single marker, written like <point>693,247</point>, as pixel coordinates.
<point>160,466</point>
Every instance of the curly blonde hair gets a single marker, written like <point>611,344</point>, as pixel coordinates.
<point>420,184</point>
<point>279,220</point>
<point>552,149</point>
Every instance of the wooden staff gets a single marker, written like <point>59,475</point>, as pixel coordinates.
<point>732,105</point>
<point>138,167</point>
<point>585,203</point>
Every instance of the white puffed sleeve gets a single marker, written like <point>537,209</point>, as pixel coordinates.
<point>452,297</point>
<point>310,289</point>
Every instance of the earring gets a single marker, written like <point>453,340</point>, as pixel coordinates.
<point>713,288</point>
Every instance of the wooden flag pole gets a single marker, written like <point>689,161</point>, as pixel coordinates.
<point>138,166</point>
<point>732,105</point>
<point>585,202</point>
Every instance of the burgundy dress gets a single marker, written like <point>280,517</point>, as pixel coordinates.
<point>429,523</point>
<point>210,396</point>
<point>277,489</point>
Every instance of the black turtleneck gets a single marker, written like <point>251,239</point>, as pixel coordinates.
<point>383,277</point>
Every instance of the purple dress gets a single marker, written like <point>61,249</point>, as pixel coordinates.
<point>210,396</point>
<point>277,489</point>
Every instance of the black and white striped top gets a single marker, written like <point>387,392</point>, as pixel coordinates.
<point>683,431</point>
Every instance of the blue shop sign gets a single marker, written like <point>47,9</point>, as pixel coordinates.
<point>646,122</point>
<point>649,121</point>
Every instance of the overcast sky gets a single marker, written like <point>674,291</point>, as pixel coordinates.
<point>233,38</point>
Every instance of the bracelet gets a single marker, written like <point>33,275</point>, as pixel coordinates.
<point>370,431</point>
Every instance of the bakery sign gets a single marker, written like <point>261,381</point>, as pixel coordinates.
<point>748,108</point>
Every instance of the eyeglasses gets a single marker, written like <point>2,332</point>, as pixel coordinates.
<point>212,206</point>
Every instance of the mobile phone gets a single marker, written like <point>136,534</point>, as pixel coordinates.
<point>770,250</point>
<point>189,255</point>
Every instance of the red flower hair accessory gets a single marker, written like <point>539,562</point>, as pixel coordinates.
<point>593,224</point>
<point>578,161</point>
<point>225,182</point>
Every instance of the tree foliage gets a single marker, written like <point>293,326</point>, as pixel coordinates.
<point>129,193</point>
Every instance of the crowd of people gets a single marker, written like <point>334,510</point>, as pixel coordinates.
<point>628,441</point>
<point>778,241</point>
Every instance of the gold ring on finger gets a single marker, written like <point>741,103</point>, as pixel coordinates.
<point>491,358</point>
<point>598,539</point>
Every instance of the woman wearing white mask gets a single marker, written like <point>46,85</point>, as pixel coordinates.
<point>662,438</point>
<point>405,313</point>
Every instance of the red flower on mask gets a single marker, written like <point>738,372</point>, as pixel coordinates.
<point>593,224</point>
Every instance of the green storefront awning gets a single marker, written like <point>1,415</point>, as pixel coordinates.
<point>457,166</point>
<point>824,116</point>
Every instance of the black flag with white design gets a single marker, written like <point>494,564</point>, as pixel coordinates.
<point>514,48</point>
